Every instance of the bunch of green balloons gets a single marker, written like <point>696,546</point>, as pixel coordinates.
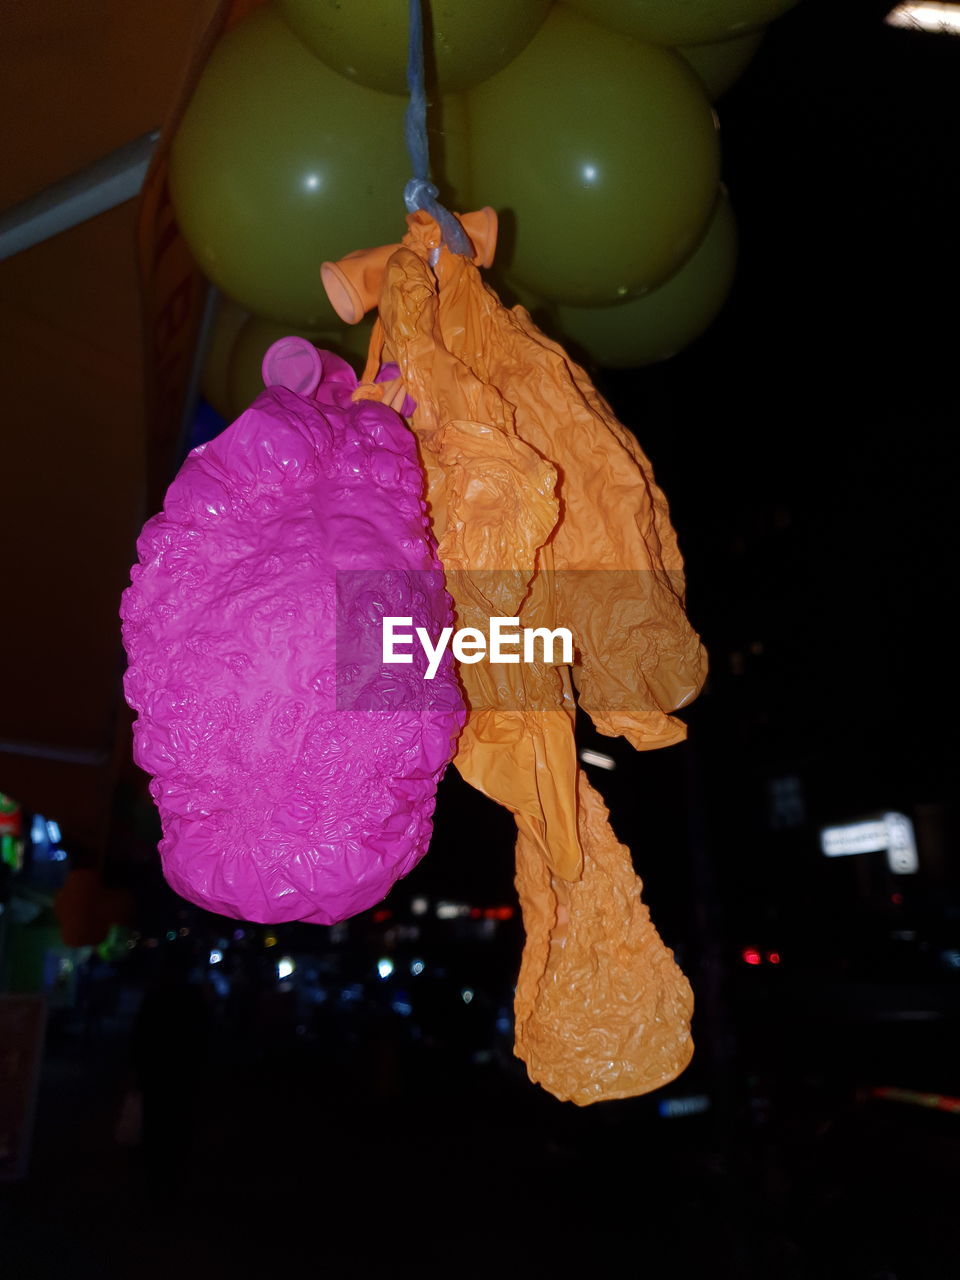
<point>587,124</point>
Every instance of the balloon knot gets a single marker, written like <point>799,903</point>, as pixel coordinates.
<point>419,193</point>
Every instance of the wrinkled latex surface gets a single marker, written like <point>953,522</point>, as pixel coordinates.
<point>353,283</point>
<point>277,804</point>
<point>528,471</point>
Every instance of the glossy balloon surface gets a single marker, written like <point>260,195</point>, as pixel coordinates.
<point>664,321</point>
<point>280,164</point>
<point>672,22</point>
<point>294,773</point>
<point>354,340</point>
<point>721,63</point>
<point>366,40</point>
<point>602,157</point>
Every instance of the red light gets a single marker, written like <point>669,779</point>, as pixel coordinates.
<point>750,955</point>
<point>773,957</point>
<point>380,916</point>
<point>476,913</point>
<point>897,899</point>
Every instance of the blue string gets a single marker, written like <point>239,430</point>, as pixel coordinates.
<point>420,193</point>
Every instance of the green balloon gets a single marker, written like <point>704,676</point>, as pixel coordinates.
<point>603,157</point>
<point>670,22</point>
<point>512,294</point>
<point>465,41</point>
<point>280,164</point>
<point>664,321</point>
<point>448,139</point>
<point>353,342</point>
<point>720,64</point>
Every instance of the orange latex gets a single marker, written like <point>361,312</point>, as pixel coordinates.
<point>545,508</point>
<point>353,284</point>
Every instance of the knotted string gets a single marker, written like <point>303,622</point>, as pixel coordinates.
<point>420,193</point>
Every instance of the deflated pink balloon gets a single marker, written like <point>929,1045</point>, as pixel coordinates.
<point>294,775</point>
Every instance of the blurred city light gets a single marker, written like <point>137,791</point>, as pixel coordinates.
<point>416,967</point>
<point>750,955</point>
<point>692,1106</point>
<point>892,832</point>
<point>216,956</point>
<point>285,967</point>
<point>935,1101</point>
<point>854,837</point>
<point>598,759</point>
<point>451,910</point>
<point>466,995</point>
<point>385,967</point>
<point>901,845</point>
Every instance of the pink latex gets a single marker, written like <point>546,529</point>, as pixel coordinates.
<point>278,802</point>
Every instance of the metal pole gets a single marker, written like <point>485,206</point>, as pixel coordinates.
<point>108,182</point>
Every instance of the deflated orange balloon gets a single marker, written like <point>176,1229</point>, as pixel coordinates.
<point>546,509</point>
<point>602,157</point>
